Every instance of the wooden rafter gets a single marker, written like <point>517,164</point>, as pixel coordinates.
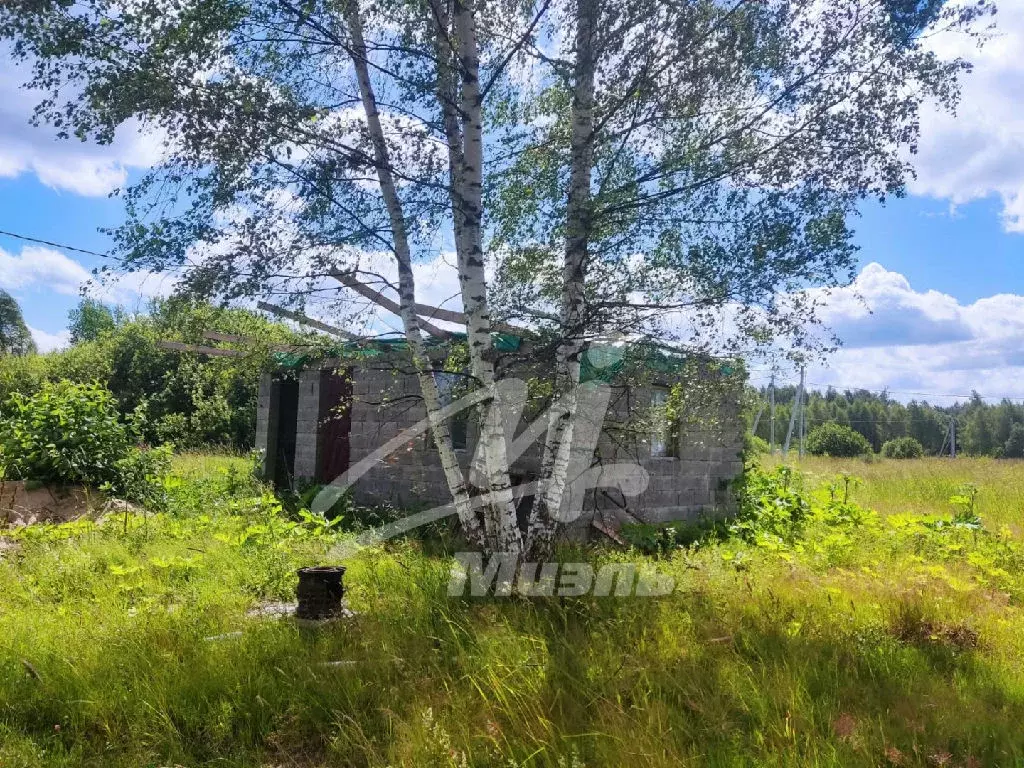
<point>228,337</point>
<point>378,298</point>
<point>232,338</point>
<point>424,310</point>
<point>298,317</point>
<point>177,346</point>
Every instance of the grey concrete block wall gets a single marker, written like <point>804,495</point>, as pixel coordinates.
<point>386,402</point>
<point>307,426</point>
<point>267,401</point>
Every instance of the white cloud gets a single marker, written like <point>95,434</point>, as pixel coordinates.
<point>38,267</point>
<point>921,343</point>
<point>134,289</point>
<point>81,167</point>
<point>48,342</point>
<point>881,309</point>
<point>980,151</point>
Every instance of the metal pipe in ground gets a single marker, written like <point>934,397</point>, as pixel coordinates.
<point>320,591</point>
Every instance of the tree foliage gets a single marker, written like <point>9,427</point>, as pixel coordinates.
<point>183,398</point>
<point>15,338</point>
<point>730,141</point>
<point>836,440</point>
<point>91,319</point>
<point>1013,448</point>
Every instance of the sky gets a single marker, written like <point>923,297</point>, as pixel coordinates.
<point>936,311</point>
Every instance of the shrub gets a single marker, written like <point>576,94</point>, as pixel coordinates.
<point>140,476</point>
<point>665,538</point>
<point>836,440</point>
<point>754,445</point>
<point>70,434</point>
<point>190,401</point>
<point>21,373</point>
<point>903,448</point>
<point>770,502</point>
<point>64,433</point>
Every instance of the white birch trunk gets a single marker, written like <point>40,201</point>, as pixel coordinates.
<point>463,123</point>
<point>558,442</point>
<point>406,285</point>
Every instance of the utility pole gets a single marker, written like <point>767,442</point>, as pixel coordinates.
<point>792,414</point>
<point>757,418</point>
<point>952,438</point>
<point>771,410</point>
<point>803,413</point>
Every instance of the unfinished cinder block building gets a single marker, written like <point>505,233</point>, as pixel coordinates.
<point>318,419</point>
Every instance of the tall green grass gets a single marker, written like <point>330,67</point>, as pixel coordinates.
<point>924,486</point>
<point>889,642</point>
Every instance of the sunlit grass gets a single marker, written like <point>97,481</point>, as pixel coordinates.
<point>884,644</point>
<point>200,465</point>
<point>924,486</point>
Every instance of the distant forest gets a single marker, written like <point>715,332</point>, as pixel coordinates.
<point>982,429</point>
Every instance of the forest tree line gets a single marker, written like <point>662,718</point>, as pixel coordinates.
<point>982,428</point>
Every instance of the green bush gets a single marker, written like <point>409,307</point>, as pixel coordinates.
<point>770,502</point>
<point>190,400</point>
<point>140,476</point>
<point>64,433</point>
<point>754,445</point>
<point>836,440</point>
<point>903,448</point>
<point>70,434</point>
<point>21,373</point>
<point>664,538</point>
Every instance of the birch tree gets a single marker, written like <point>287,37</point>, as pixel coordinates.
<point>406,284</point>
<point>680,172</point>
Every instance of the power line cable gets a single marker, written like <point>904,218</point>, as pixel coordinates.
<point>850,387</point>
<point>52,244</point>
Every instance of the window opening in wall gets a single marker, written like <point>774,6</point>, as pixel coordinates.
<point>449,390</point>
<point>665,434</point>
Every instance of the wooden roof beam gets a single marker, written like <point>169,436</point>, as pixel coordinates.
<point>232,338</point>
<point>378,298</point>
<point>298,317</point>
<point>177,346</point>
<point>424,310</point>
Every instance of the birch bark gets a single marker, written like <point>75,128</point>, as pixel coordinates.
<point>462,114</point>
<point>558,442</point>
<point>406,283</point>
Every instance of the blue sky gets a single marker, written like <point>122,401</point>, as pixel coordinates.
<point>938,307</point>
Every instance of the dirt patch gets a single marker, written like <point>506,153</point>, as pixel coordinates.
<point>912,628</point>
<point>24,503</point>
<point>8,548</point>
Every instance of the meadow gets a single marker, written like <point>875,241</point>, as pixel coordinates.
<point>838,623</point>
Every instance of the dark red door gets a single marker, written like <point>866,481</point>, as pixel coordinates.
<point>335,423</point>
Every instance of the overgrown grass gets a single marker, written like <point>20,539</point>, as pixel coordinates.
<point>211,464</point>
<point>924,486</point>
<point>865,640</point>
